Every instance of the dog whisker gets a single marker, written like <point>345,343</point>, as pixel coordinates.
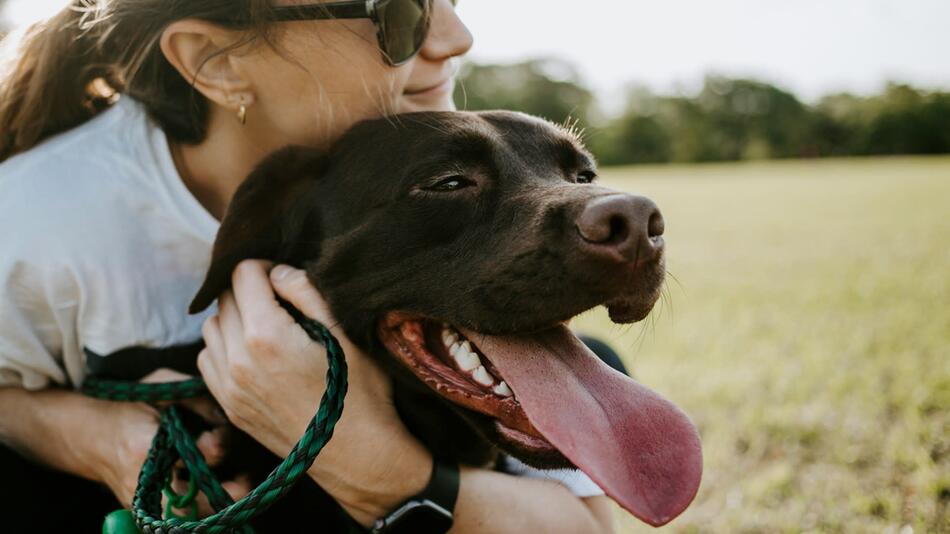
<point>677,280</point>
<point>668,302</point>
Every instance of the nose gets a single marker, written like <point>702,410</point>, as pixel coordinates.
<point>622,227</point>
<point>448,35</point>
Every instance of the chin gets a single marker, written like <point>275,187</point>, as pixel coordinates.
<point>417,103</point>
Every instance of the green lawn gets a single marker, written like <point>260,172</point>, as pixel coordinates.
<point>807,333</point>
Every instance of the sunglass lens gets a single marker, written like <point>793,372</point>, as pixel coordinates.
<point>404,25</point>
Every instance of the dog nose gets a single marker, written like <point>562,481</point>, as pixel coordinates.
<point>625,225</point>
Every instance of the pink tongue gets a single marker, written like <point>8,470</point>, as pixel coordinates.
<point>640,448</point>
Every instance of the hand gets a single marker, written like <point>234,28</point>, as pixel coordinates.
<point>269,376</point>
<point>134,426</point>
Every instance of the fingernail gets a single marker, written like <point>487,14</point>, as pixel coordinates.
<point>280,272</point>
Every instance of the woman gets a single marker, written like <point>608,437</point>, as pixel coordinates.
<point>108,211</point>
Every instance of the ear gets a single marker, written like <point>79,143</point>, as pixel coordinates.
<point>204,54</point>
<point>266,218</point>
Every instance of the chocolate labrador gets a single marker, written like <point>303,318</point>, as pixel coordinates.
<point>454,247</point>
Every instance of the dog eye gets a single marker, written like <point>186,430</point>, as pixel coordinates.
<point>586,177</point>
<point>450,183</point>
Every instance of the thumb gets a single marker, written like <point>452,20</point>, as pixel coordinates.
<point>293,286</point>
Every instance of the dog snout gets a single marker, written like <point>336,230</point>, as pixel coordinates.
<point>623,228</point>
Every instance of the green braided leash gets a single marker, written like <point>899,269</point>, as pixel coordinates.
<point>173,442</point>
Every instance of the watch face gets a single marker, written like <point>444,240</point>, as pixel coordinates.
<point>419,517</point>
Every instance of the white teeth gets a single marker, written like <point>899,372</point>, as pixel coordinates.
<point>461,351</point>
<point>466,359</point>
<point>482,377</point>
<point>503,390</point>
<point>449,337</point>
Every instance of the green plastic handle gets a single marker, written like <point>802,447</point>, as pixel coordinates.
<point>120,522</point>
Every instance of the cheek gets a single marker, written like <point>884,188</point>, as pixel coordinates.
<point>324,84</point>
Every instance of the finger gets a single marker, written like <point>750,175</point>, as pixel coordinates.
<point>211,443</point>
<point>164,375</point>
<point>232,327</point>
<point>220,385</point>
<point>255,299</point>
<point>213,359</point>
<point>238,488</point>
<point>214,339</point>
<point>294,286</point>
<point>213,376</point>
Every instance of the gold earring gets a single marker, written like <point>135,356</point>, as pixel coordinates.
<point>242,115</point>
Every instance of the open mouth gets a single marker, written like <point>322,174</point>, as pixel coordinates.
<point>454,367</point>
<point>549,398</point>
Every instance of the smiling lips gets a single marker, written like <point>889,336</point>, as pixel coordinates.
<point>437,88</point>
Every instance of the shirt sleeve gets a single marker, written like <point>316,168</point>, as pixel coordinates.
<point>32,328</point>
<point>575,480</point>
<point>39,303</point>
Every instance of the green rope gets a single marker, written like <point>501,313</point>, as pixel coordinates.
<point>181,502</point>
<point>172,442</point>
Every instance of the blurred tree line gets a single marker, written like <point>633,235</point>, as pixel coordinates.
<point>728,120</point>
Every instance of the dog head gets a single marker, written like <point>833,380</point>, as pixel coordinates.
<point>455,247</point>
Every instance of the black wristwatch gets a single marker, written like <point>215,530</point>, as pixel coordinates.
<point>428,512</point>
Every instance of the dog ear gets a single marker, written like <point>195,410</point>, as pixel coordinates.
<point>265,218</point>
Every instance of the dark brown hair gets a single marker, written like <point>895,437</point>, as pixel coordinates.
<point>71,66</point>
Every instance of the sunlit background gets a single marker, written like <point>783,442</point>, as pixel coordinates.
<point>811,47</point>
<point>795,150</point>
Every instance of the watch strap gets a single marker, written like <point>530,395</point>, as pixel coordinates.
<point>443,487</point>
<point>439,496</point>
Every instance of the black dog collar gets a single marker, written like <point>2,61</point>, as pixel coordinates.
<point>432,510</point>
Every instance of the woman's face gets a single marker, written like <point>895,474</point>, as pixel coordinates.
<point>325,76</point>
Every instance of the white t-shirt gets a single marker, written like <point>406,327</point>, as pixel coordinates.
<point>102,248</point>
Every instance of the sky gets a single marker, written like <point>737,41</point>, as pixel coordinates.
<point>812,47</point>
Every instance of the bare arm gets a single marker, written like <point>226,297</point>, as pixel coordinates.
<point>493,502</point>
<point>70,432</point>
<point>98,440</point>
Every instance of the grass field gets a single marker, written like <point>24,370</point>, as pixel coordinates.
<point>808,335</point>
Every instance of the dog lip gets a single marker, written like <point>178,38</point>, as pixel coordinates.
<point>535,444</point>
<point>404,336</point>
<point>626,312</point>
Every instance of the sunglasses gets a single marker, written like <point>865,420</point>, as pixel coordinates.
<point>401,25</point>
